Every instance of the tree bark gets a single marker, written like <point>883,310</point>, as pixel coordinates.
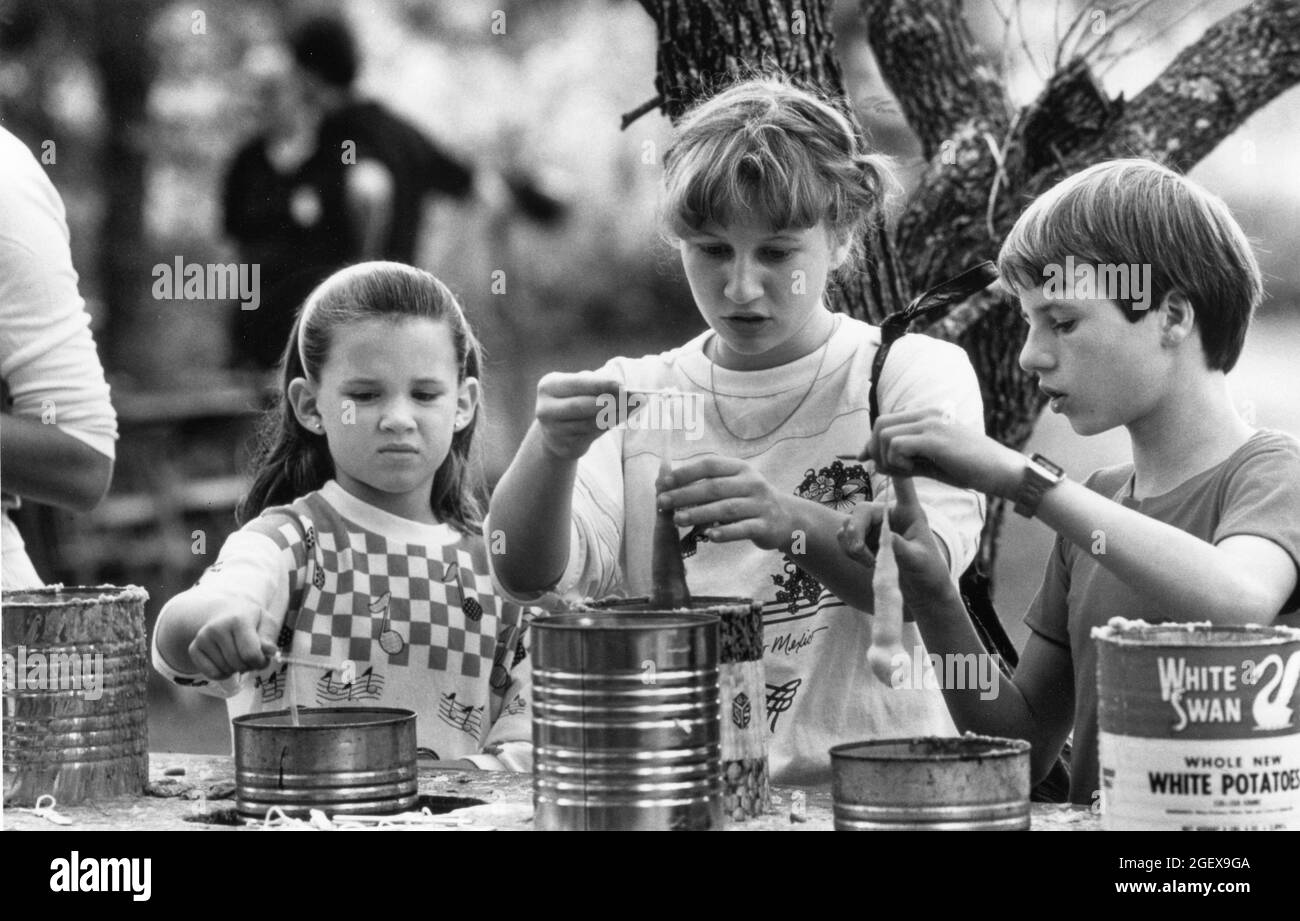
<point>926,53</point>
<point>705,44</point>
<point>1237,67</point>
<point>126,67</point>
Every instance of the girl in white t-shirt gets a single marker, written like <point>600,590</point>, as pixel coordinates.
<point>768,190</point>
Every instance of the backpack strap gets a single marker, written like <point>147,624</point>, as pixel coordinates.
<point>974,584</point>
<point>939,299</point>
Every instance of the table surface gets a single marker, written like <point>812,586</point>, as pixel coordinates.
<point>196,793</point>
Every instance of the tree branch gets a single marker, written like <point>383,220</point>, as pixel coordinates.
<point>648,106</point>
<point>926,55</point>
<point>1238,66</point>
<point>943,229</point>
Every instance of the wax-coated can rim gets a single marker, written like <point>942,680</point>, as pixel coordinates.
<point>1234,636</point>
<point>700,604</point>
<point>63,596</point>
<point>260,722</point>
<point>998,748</point>
<point>620,621</point>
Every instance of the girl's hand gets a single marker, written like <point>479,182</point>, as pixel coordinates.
<point>572,414</point>
<point>930,443</point>
<point>732,497</point>
<point>232,642</point>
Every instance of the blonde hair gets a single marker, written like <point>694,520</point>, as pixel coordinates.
<point>780,152</point>
<point>1138,212</point>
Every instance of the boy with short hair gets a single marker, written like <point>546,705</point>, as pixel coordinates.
<point>1204,525</point>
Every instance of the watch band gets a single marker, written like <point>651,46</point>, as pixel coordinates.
<point>1040,475</point>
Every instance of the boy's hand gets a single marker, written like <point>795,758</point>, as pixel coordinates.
<point>232,642</point>
<point>732,497</point>
<point>930,443</point>
<point>569,411</point>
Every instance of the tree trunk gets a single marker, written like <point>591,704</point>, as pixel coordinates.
<point>126,69</point>
<point>985,162</point>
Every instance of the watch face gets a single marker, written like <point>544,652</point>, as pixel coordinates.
<point>1044,462</point>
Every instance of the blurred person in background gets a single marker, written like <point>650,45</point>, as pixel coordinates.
<point>331,180</point>
<point>57,427</point>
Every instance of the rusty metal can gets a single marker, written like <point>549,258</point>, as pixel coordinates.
<point>76,672</point>
<point>626,721</point>
<point>340,760</point>
<point>966,783</point>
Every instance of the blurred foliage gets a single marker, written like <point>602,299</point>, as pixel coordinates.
<point>553,114</point>
<point>535,86</point>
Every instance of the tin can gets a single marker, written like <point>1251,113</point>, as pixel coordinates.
<point>626,721</point>
<point>746,787</point>
<point>76,671</point>
<point>1197,726</point>
<point>340,760</point>
<point>966,783</point>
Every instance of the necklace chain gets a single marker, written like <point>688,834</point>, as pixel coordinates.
<point>713,390</point>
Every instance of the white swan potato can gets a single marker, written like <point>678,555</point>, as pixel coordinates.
<point>1199,726</point>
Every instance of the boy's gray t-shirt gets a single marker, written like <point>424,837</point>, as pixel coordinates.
<point>1255,491</point>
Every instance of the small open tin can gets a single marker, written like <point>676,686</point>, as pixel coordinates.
<point>966,783</point>
<point>341,760</point>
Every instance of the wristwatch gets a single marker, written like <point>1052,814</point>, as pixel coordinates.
<point>1040,475</point>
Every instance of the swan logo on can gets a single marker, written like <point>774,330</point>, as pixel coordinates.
<point>1272,709</point>
<point>1217,693</point>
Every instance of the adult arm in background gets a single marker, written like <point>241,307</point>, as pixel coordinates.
<point>42,463</point>
<point>369,189</point>
<point>57,438</point>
